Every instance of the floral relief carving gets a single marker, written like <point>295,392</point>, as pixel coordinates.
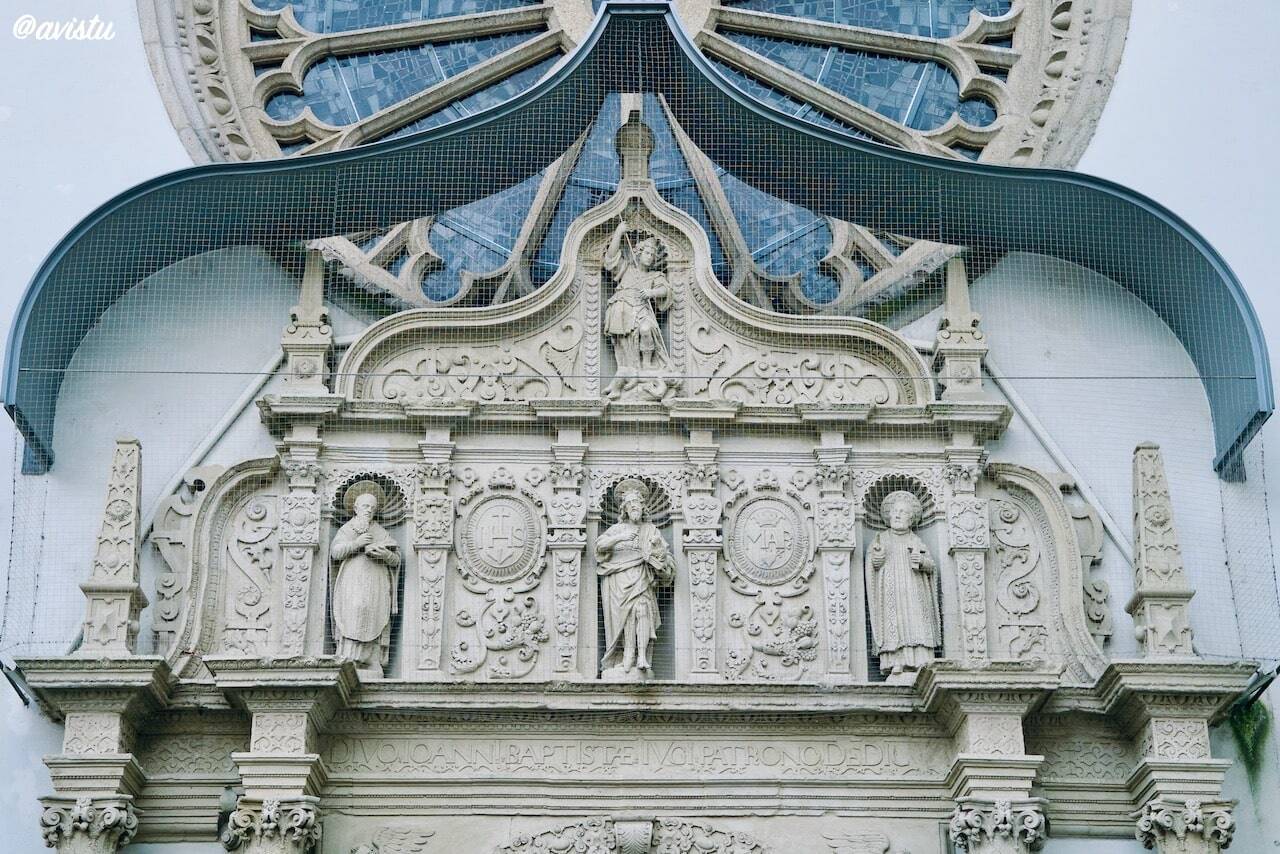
<point>92,732</point>
<point>642,836</point>
<point>396,840</point>
<point>1020,626</point>
<point>252,550</point>
<point>967,523</point>
<point>295,823</point>
<point>279,733</point>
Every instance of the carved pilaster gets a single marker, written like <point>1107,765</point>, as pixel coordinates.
<point>1161,592</point>
<point>702,542</point>
<point>961,344</point>
<point>981,826</point>
<point>1185,826</point>
<point>432,542</point>
<point>87,825</point>
<point>968,538</point>
<point>308,336</point>
<point>836,526</point>
<point>299,534</point>
<point>114,597</point>
<point>567,513</point>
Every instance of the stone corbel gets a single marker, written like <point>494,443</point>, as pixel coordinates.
<point>566,542</point>
<point>308,337</point>
<point>836,525</point>
<point>281,773</point>
<point>702,541</point>
<point>96,777</point>
<point>432,542</point>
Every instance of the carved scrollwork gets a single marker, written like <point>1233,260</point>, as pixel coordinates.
<point>115,822</point>
<point>1161,821</point>
<point>974,823</point>
<point>252,550</point>
<point>297,823</point>
<point>1020,625</point>
<point>509,626</point>
<point>641,836</point>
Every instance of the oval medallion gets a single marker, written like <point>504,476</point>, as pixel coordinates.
<point>501,539</point>
<point>768,543</point>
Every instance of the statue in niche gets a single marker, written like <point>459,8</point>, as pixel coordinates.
<point>902,594</point>
<point>641,290</point>
<point>633,561</point>
<point>364,592</point>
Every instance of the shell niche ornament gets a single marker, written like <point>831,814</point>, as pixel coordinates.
<point>363,487</point>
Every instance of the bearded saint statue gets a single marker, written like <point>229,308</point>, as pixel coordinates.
<point>902,596</point>
<point>633,561</point>
<point>364,591</point>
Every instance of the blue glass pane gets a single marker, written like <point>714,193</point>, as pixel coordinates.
<point>477,237</point>
<point>784,239</point>
<point>936,18</point>
<point>482,100</point>
<point>782,102</point>
<point>331,16</point>
<point>919,95</point>
<point>341,91</point>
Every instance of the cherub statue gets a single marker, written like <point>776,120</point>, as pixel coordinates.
<point>364,591</point>
<point>633,561</point>
<point>901,591</point>
<point>641,290</point>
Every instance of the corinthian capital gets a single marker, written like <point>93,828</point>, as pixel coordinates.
<point>86,825</point>
<point>1185,827</point>
<point>272,826</point>
<point>983,826</point>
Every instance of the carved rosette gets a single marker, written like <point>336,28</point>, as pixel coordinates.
<point>432,540</point>
<point>1185,827</point>
<point>88,825</point>
<point>114,599</point>
<point>273,827</point>
<point>567,512</point>
<point>1161,593</point>
<point>979,826</point>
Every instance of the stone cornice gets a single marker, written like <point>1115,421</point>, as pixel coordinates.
<point>133,686</point>
<point>1132,691</point>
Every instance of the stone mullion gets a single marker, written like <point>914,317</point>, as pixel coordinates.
<point>432,542</point>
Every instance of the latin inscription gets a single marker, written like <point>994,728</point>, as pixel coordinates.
<point>638,757</point>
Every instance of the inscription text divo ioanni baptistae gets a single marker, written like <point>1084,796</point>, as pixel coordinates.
<point>637,756</point>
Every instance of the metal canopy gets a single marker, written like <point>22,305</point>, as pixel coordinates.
<point>641,47</point>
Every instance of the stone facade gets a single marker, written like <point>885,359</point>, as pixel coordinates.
<point>644,568</point>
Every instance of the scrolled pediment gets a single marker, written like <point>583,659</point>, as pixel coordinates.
<point>634,317</point>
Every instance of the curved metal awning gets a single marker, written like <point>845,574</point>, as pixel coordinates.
<point>641,47</point>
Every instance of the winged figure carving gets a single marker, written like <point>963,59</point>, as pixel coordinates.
<point>396,840</point>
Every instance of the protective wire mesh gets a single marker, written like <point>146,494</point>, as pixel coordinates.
<point>1099,337</point>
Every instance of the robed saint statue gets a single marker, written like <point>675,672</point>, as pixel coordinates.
<point>364,591</point>
<point>902,593</point>
<point>633,561</point>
